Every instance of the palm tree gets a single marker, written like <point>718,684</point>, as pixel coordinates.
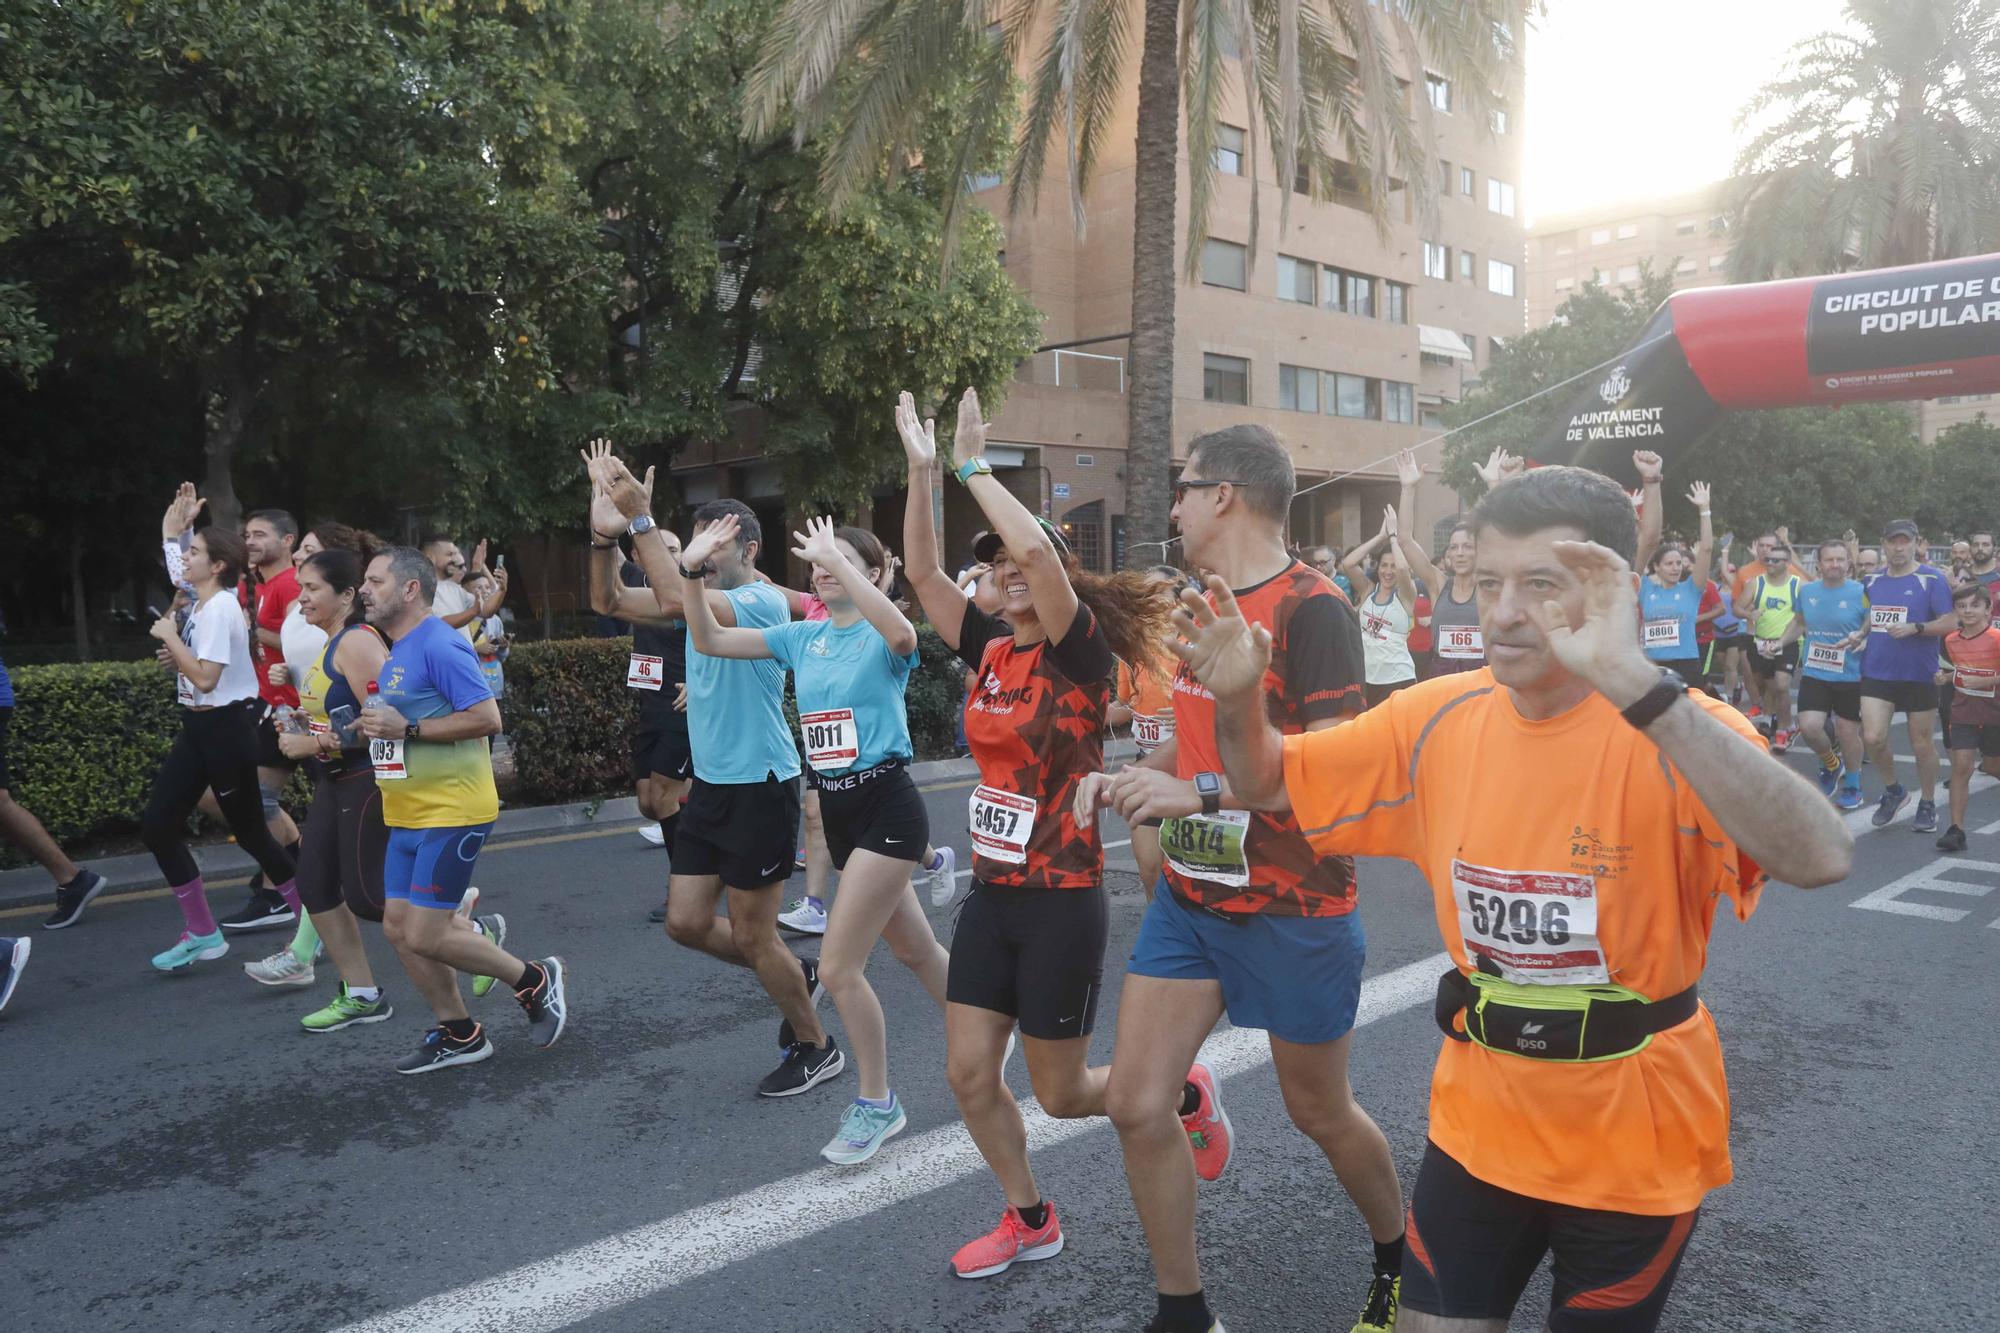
<point>1880,145</point>
<point>1320,75</point>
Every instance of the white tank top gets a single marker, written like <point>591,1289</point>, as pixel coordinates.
<point>301,642</point>
<point>1385,641</point>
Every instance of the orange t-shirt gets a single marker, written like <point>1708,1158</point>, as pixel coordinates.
<point>1511,820</point>
<point>1149,693</point>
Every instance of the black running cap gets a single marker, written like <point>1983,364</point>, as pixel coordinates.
<point>988,544</point>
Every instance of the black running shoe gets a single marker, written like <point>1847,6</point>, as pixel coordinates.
<point>787,1034</point>
<point>71,899</point>
<point>1952,840</point>
<point>440,1050</point>
<point>803,1067</point>
<point>546,1005</point>
<point>266,910</point>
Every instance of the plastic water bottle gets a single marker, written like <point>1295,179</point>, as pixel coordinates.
<point>374,699</point>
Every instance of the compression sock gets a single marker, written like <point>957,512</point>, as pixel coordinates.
<point>1184,1314</point>
<point>1389,1258</point>
<point>1190,1099</point>
<point>460,1029</point>
<point>1037,1216</point>
<point>818,904</point>
<point>531,977</point>
<point>305,940</point>
<point>934,860</point>
<point>193,898</point>
<point>289,891</point>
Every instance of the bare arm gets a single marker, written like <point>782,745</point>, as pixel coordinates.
<point>943,601</point>
<point>1651,472</point>
<point>718,640</point>
<point>1354,563</point>
<point>610,597</point>
<point>1419,560</point>
<point>201,673</point>
<point>817,544</point>
<point>1022,536</point>
<point>1704,546</point>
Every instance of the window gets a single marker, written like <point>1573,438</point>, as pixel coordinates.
<point>1602,236</point>
<point>1433,418</point>
<point>1627,230</point>
<point>1355,396</point>
<point>1499,277</point>
<point>1468,266</point>
<point>1716,261</point>
<point>1718,225</point>
<point>1298,389</point>
<point>1399,402</point>
<point>1229,150</point>
<point>1565,248</point>
<point>1437,260</point>
<point>1223,264</point>
<point>1472,343</point>
<point>1297,279</point>
<point>1687,226</point>
<point>1444,176</point>
<point>1685,266</point>
<point>1349,293</point>
<point>1467,182</point>
<point>984,180</point>
<point>1499,197</point>
<point>1225,379</point>
<point>1598,275</point>
<point>1628,273</point>
<point>1499,120</point>
<point>1564,284</point>
<point>1396,302</point>
<point>1439,89</point>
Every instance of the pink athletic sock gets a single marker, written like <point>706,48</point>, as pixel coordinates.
<point>290,890</point>
<point>193,899</point>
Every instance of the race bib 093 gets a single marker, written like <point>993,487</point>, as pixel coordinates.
<point>387,757</point>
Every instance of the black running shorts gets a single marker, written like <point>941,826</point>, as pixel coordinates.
<point>1842,698</point>
<point>884,815</point>
<point>661,751</point>
<point>1786,661</point>
<point>1906,696</point>
<point>741,831</point>
<point>1985,739</point>
<point>1035,954</point>
<point>1471,1247</point>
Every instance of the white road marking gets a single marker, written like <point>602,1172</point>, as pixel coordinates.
<point>564,1288</point>
<point>1989,830</point>
<point>1931,879</point>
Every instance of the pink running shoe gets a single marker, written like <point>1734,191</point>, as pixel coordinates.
<point>1007,1243</point>
<point>1208,1129</point>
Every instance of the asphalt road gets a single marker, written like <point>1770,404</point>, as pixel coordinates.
<point>181,1155</point>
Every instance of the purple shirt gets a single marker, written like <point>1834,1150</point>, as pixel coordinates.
<point>1916,599</point>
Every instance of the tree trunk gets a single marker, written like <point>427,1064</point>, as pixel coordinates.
<point>1150,387</point>
<point>228,391</point>
<point>79,605</point>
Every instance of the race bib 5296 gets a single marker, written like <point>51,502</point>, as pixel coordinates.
<point>1536,926</point>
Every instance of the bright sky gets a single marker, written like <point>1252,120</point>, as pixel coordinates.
<point>1628,99</point>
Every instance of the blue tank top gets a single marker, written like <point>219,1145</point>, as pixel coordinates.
<point>1668,615</point>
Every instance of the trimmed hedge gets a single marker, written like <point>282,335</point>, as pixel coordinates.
<point>85,743</point>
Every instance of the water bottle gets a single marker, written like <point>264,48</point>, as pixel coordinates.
<point>374,699</point>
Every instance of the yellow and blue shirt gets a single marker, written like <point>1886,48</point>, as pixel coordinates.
<point>433,672</point>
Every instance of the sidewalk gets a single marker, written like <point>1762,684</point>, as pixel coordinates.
<point>224,860</point>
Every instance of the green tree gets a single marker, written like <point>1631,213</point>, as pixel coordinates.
<point>1878,146</point>
<point>1322,82</point>
<point>1964,470</point>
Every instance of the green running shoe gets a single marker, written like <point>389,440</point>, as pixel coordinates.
<point>495,929</point>
<point>346,1011</point>
<point>863,1130</point>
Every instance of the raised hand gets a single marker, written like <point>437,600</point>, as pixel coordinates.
<point>1603,650</point>
<point>181,512</point>
<point>1499,466</point>
<point>1389,521</point>
<point>1698,494</point>
<point>919,435</point>
<point>1407,471</point>
<point>478,564</point>
<point>816,544</point>
<point>1511,465</point>
<point>1651,470</point>
<point>1226,652</point>
<point>969,440</point>
<point>629,496</point>
<point>605,520</point>
<point>712,539</point>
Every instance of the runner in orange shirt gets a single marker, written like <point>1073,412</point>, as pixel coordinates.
<point>1972,655</point>
<point>1577,811</point>
<point>1146,696</point>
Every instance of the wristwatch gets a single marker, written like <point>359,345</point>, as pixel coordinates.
<point>1209,787</point>
<point>641,525</point>
<point>410,732</point>
<point>700,571</point>
<point>970,468</point>
<point>1646,709</point>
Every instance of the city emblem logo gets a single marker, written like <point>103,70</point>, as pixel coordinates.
<point>1616,385</point>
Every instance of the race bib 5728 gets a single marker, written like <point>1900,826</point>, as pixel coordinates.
<point>1888,617</point>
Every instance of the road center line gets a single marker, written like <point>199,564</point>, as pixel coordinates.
<point>564,1288</point>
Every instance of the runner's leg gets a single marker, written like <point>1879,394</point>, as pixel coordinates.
<point>436,982</point>
<point>915,945</point>
<point>1962,763</point>
<point>1876,715</point>
<point>1321,1103</point>
<point>872,887</point>
<point>1067,1085</point>
<point>1923,744</point>
<point>692,922</point>
<point>19,826</point>
<point>975,1041</point>
<point>753,928</point>
<point>819,860</point>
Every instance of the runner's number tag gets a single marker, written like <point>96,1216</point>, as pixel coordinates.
<point>1208,847</point>
<point>1002,823</point>
<point>1663,633</point>
<point>1979,682</point>
<point>1152,732</point>
<point>646,672</point>
<point>184,691</point>
<point>1376,627</point>
<point>1888,617</point>
<point>1826,656</point>
<point>830,739</point>
<point>1539,927</point>
<point>1461,643</point>
<point>1770,647</point>
<point>387,756</point>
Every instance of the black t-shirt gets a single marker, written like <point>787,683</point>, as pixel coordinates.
<point>656,707</point>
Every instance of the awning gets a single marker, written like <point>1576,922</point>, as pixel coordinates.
<point>1442,342</point>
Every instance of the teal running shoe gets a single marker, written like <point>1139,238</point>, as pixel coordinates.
<point>863,1131</point>
<point>192,949</point>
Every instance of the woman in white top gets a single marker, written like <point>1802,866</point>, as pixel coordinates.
<point>217,745</point>
<point>1387,605</point>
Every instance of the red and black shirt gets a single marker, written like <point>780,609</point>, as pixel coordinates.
<point>1035,724</point>
<point>1316,673</point>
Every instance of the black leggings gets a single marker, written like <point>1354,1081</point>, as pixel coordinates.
<point>216,749</point>
<point>344,843</point>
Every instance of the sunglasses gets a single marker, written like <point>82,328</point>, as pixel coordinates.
<point>1183,486</point>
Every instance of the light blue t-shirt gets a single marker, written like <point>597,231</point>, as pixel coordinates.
<point>736,709</point>
<point>1831,614</point>
<point>850,692</point>
<point>1669,613</point>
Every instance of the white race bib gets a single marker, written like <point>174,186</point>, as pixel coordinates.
<point>1002,823</point>
<point>1826,657</point>
<point>1979,682</point>
<point>184,691</point>
<point>1663,633</point>
<point>831,743</point>
<point>1888,617</point>
<point>387,756</point>
<point>1152,732</point>
<point>1770,647</point>
<point>1539,927</point>
<point>1461,643</point>
<point>646,672</point>
<point>1374,626</point>
<point>1209,847</point>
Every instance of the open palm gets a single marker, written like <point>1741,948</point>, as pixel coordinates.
<point>1226,653</point>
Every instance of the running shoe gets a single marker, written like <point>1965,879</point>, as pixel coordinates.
<point>282,968</point>
<point>266,910</point>
<point>787,1034</point>
<point>1926,820</point>
<point>1849,796</point>
<point>651,835</point>
<point>344,1011</point>
<point>804,917</point>
<point>1781,739</point>
<point>802,1068</point>
<point>1208,1129</point>
<point>1829,780</point>
<point>863,1130</point>
<point>1951,840</point>
<point>70,901</point>
<point>190,950</point>
<point>494,927</point>
<point>799,861</point>
<point>1379,1314</point>
<point>1009,1243</point>
<point>440,1051</point>
<point>15,957</point>
<point>547,1005</point>
<point>943,881</point>
<point>1892,801</point>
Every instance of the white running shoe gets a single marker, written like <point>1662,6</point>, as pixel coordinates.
<point>942,882</point>
<point>804,918</point>
<point>281,969</point>
<point>651,833</point>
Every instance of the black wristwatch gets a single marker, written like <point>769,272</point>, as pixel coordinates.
<point>410,732</point>
<point>1209,787</point>
<point>1646,709</point>
<point>701,571</point>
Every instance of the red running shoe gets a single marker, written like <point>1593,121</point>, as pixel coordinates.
<point>1007,1243</point>
<point>1208,1129</point>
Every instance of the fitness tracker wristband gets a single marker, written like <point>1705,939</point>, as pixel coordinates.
<point>1647,708</point>
<point>1209,787</point>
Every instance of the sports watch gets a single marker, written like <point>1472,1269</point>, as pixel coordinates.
<point>410,732</point>
<point>1209,787</point>
<point>970,468</point>
<point>641,525</point>
<point>1647,708</point>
